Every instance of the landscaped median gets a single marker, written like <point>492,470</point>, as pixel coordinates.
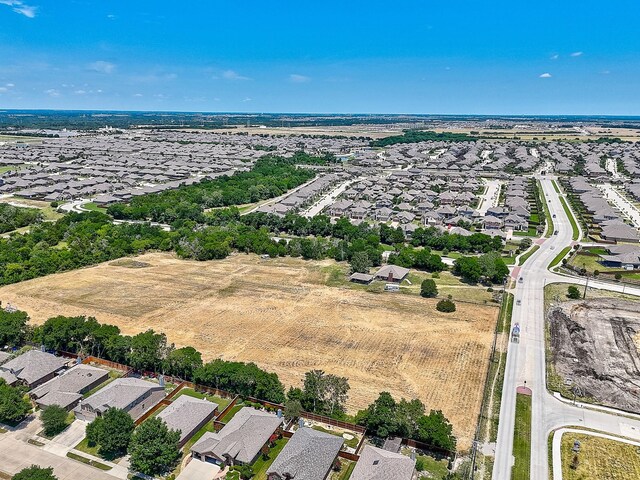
<point>522,437</point>
<point>572,219</point>
<point>525,256</point>
<point>563,253</point>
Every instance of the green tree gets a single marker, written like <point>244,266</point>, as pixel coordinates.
<point>360,262</point>
<point>428,288</point>
<point>380,416</point>
<point>292,409</point>
<point>434,429</point>
<point>54,419</point>
<point>445,305</point>
<point>245,471</point>
<point>148,350</point>
<point>573,292</point>
<point>468,268</point>
<point>154,449</point>
<point>112,432</point>
<point>13,404</point>
<point>34,472</point>
<point>13,328</point>
<point>182,362</point>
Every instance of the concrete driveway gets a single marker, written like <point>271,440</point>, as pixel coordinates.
<point>199,470</point>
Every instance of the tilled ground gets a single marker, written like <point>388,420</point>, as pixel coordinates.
<point>279,314</point>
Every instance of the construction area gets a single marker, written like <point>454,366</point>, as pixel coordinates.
<point>594,350</point>
<point>282,315</point>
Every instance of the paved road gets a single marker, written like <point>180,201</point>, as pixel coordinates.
<point>526,360</point>
<point>618,201</point>
<point>490,197</point>
<point>328,199</point>
<point>16,455</point>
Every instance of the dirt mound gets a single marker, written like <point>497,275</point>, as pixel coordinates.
<point>594,343</point>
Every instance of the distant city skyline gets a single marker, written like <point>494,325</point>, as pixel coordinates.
<point>418,57</point>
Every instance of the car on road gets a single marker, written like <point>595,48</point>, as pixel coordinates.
<point>518,302</point>
<point>521,279</point>
<point>554,215</point>
<point>556,232</point>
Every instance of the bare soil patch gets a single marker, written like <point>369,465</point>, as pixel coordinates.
<point>594,344</point>
<point>280,314</point>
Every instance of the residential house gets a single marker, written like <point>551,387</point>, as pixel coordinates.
<point>309,455</point>
<point>187,415</point>
<point>240,440</point>
<point>133,395</point>
<point>66,390</point>
<point>32,368</point>
<point>378,464</point>
<point>392,273</point>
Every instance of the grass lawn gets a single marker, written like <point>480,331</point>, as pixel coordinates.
<point>208,427</point>
<point>590,262</point>
<point>231,413</point>
<point>522,438</point>
<point>599,458</point>
<point>525,256</point>
<point>555,186</point>
<point>530,232</point>
<point>574,225</point>
<point>260,466</point>
<point>93,207</point>
<point>353,443</point>
<point>560,256</point>
<point>346,469</point>
<point>83,446</point>
<point>88,461</point>
<point>433,468</point>
<point>222,402</point>
<point>47,210</point>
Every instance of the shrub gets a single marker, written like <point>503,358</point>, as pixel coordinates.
<point>573,292</point>
<point>35,472</point>
<point>618,276</point>
<point>446,306</point>
<point>420,465</point>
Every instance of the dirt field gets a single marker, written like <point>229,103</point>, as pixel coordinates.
<point>281,315</point>
<point>595,343</point>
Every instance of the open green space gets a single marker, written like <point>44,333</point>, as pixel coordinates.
<point>353,443</point>
<point>231,413</point>
<point>93,207</point>
<point>522,438</point>
<point>261,465</point>
<point>598,458</point>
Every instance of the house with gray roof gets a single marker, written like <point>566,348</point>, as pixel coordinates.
<point>392,273</point>
<point>67,389</point>
<point>378,464</point>
<point>240,440</point>
<point>187,415</point>
<point>32,368</point>
<point>309,455</point>
<point>133,395</point>
<point>4,356</point>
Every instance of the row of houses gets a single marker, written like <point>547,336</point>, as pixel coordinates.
<point>603,216</point>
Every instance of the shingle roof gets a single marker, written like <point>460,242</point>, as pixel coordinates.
<point>68,387</point>
<point>378,464</point>
<point>309,455</point>
<point>186,413</point>
<point>34,365</point>
<point>241,438</point>
<point>120,393</point>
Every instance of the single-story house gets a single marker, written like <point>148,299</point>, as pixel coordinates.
<point>4,356</point>
<point>364,278</point>
<point>188,415</point>
<point>133,395</point>
<point>32,368</point>
<point>309,455</point>
<point>392,273</point>
<point>378,464</point>
<point>620,232</point>
<point>240,440</point>
<point>67,389</point>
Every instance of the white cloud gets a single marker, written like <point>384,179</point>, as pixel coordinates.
<point>576,54</point>
<point>545,75</point>
<point>111,16</point>
<point>233,75</point>
<point>52,92</point>
<point>102,67</point>
<point>555,57</point>
<point>137,95</point>
<point>296,78</point>
<point>246,99</point>
<point>80,92</point>
<point>10,85</point>
<point>20,7</point>
<point>605,72</point>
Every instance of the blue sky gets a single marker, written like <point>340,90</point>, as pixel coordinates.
<point>496,57</point>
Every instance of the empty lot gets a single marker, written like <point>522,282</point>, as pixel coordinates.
<point>281,315</point>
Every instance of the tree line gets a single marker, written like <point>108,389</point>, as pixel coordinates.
<point>269,177</point>
<point>12,218</point>
<point>415,136</point>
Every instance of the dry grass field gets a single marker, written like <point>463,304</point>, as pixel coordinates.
<point>281,314</point>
